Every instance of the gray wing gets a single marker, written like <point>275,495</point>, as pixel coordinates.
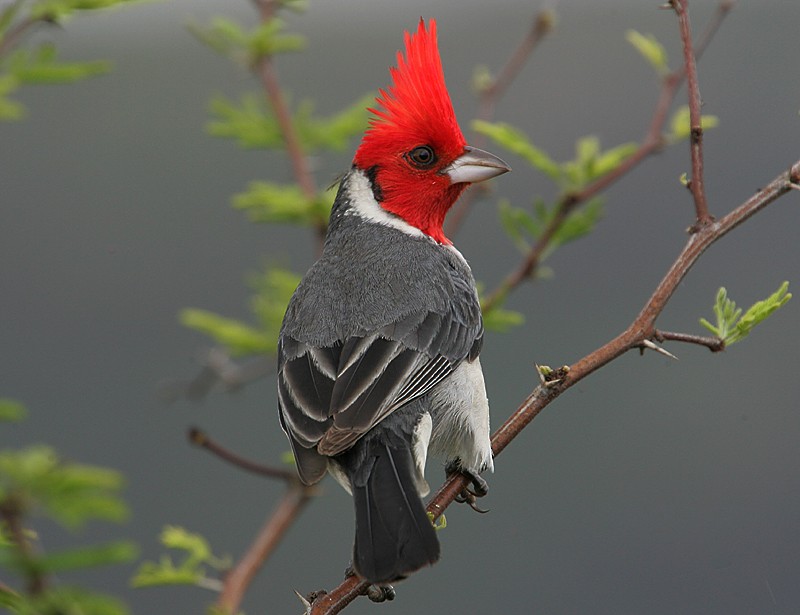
<point>329,397</point>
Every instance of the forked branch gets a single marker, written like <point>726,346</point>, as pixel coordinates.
<point>642,330</point>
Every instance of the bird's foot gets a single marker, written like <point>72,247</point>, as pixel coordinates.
<point>469,495</point>
<point>376,593</point>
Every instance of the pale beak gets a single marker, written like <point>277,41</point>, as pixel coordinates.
<point>475,165</point>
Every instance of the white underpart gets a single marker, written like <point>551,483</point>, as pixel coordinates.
<point>339,474</point>
<point>461,418</point>
<point>422,436</point>
<point>364,205</point>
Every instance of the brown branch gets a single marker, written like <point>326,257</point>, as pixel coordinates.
<point>15,35</point>
<point>265,69</point>
<point>714,344</point>
<point>11,515</point>
<point>697,183</point>
<point>241,575</point>
<point>652,143</point>
<point>542,24</point>
<point>641,329</point>
<point>201,439</point>
<point>295,498</point>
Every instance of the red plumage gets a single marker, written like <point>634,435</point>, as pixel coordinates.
<point>414,111</point>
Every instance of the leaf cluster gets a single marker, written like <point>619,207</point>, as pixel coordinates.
<point>40,64</point>
<point>35,481</point>
<point>192,567</point>
<point>251,123</point>
<point>272,290</point>
<point>248,45</point>
<point>732,325</point>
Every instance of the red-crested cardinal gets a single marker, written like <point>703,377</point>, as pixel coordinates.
<point>378,354</point>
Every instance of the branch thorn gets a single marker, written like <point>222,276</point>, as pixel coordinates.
<point>658,349</point>
<point>304,601</point>
<point>549,377</point>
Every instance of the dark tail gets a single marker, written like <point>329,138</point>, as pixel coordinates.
<point>394,535</point>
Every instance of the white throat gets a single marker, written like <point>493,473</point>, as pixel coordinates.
<point>364,205</point>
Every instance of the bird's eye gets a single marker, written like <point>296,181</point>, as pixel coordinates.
<point>421,156</point>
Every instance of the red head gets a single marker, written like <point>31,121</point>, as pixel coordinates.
<point>413,147</point>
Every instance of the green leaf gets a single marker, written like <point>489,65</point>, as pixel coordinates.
<point>253,126</point>
<point>591,162</point>
<point>731,325</point>
<point>238,337</point>
<point>501,320</point>
<point>223,35</point>
<point>190,571</point>
<point>580,222</point>
<point>11,411</point>
<point>70,493</point>
<point>269,39</point>
<point>611,159</point>
<point>274,203</point>
<point>60,10</point>
<point>196,547</point>
<point>334,132</point>
<point>273,289</point>
<point>680,123</point>
<point>228,38</point>
<point>7,16</point>
<point>247,123</point>
<point>9,109</point>
<point>64,600</point>
<point>517,142</point>
<point>41,66</point>
<point>118,552</point>
<point>650,49</point>
<point>522,225</point>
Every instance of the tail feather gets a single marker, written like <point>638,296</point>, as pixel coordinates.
<point>394,535</point>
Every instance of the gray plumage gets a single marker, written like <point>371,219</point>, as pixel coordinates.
<point>378,353</point>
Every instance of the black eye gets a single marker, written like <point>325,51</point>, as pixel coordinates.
<point>421,156</point>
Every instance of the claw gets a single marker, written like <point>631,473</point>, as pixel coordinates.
<point>381,593</point>
<point>479,486</point>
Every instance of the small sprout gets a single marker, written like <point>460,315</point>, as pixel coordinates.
<point>482,79</point>
<point>438,524</point>
<point>733,326</point>
<point>684,179</point>
<point>550,377</point>
<point>680,124</point>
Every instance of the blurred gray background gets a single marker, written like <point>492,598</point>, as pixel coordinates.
<point>654,486</point>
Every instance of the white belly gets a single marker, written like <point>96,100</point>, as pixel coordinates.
<point>460,412</point>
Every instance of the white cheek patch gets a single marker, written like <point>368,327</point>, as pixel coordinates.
<point>363,204</point>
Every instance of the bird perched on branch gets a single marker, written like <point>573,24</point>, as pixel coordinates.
<point>378,352</point>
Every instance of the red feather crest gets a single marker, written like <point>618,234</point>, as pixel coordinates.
<point>416,108</point>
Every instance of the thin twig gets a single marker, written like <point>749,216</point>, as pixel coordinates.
<point>697,183</point>
<point>11,515</point>
<point>201,439</point>
<point>15,35</point>
<point>542,24</point>
<point>653,141</point>
<point>265,68</point>
<point>714,344</point>
<point>241,575</point>
<point>642,328</point>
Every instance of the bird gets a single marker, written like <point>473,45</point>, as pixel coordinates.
<point>378,353</point>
